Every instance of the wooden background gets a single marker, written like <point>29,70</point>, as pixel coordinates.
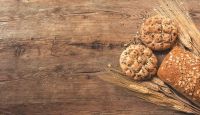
<point>53,51</point>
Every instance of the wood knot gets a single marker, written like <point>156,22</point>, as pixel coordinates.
<point>19,50</point>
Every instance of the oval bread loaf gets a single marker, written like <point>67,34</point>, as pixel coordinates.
<point>181,70</point>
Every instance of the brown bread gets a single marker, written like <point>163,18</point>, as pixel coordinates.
<point>181,70</point>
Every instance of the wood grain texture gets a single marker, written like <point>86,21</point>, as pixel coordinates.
<point>52,52</point>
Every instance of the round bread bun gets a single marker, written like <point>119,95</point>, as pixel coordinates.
<point>159,33</point>
<point>138,62</point>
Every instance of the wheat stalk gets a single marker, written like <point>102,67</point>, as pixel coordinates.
<point>154,91</point>
<point>189,35</point>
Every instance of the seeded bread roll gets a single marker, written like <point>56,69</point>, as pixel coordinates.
<point>181,69</point>
<point>138,62</point>
<point>159,33</point>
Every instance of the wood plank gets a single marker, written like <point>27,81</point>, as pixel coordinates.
<point>52,52</point>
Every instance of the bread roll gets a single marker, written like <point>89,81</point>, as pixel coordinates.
<point>181,70</point>
<point>138,62</point>
<point>159,33</point>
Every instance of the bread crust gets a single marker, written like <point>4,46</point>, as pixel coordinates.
<point>138,62</point>
<point>181,70</point>
<point>159,33</point>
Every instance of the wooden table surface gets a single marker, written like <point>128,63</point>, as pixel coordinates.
<point>52,53</point>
